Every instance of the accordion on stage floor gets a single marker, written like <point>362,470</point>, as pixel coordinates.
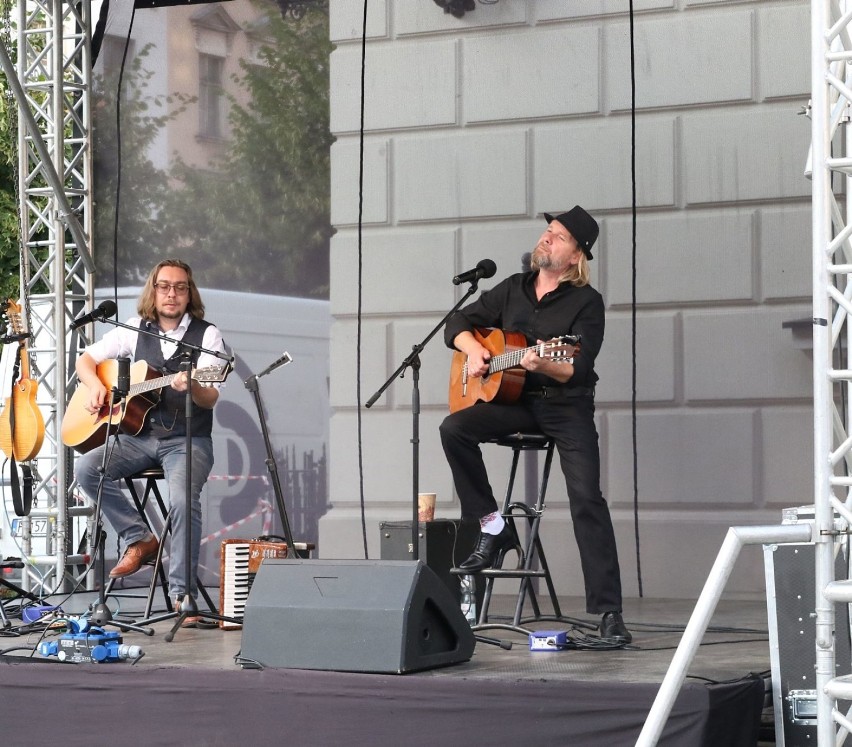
<point>239,563</point>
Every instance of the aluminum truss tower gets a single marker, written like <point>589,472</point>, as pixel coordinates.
<point>831,164</point>
<point>51,84</point>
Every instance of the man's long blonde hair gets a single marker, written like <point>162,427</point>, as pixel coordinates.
<point>147,308</point>
<point>578,275</point>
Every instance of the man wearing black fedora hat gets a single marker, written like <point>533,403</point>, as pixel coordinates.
<point>553,299</point>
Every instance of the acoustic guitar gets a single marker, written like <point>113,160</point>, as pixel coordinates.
<point>504,380</point>
<point>83,430</point>
<point>21,413</point>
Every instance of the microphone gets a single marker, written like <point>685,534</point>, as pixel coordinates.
<point>122,379</point>
<point>282,361</point>
<point>105,310</point>
<point>485,268</point>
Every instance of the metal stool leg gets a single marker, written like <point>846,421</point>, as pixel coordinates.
<point>141,503</point>
<point>532,549</point>
<point>482,618</point>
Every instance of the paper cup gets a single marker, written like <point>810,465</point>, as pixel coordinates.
<point>425,506</point>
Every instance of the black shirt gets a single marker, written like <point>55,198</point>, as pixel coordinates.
<point>512,306</point>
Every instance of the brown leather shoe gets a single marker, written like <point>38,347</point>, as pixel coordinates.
<point>134,556</point>
<point>188,622</point>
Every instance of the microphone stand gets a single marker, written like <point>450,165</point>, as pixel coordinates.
<point>188,606</point>
<point>100,613</point>
<point>413,360</point>
<point>251,383</point>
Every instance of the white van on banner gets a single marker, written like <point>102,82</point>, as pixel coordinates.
<point>239,500</point>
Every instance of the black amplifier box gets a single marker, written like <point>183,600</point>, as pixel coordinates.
<point>443,544</point>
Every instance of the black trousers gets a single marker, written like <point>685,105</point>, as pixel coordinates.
<point>570,422</point>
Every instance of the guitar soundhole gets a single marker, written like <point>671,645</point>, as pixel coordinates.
<point>104,412</point>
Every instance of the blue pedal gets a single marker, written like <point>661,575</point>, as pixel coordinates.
<point>549,640</point>
<point>34,614</point>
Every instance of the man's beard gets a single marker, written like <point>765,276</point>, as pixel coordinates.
<point>168,314</point>
<point>542,261</point>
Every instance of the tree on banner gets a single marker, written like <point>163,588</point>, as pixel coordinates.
<point>143,189</point>
<point>260,220</point>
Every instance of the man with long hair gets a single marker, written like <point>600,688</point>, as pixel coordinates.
<point>170,305</point>
<point>553,299</point>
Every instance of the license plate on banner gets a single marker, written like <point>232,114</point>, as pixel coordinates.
<point>38,527</point>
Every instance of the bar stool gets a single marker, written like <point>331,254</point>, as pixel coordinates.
<point>151,477</point>
<point>533,562</point>
<point>152,490</point>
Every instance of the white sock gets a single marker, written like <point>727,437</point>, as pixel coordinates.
<point>492,523</point>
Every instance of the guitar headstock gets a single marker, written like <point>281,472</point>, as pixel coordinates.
<point>13,314</point>
<point>15,317</point>
<point>212,374</point>
<point>561,349</point>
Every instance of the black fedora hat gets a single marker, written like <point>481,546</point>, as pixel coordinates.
<point>582,226</point>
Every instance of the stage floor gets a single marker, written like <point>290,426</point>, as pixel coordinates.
<point>736,645</point>
<point>562,697</point>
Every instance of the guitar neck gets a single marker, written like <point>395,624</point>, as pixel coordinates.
<point>150,385</point>
<point>25,360</point>
<point>512,358</point>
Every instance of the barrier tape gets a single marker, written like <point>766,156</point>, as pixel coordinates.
<point>263,507</point>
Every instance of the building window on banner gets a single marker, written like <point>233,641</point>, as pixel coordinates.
<point>211,97</point>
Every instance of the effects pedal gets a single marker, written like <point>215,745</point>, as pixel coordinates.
<point>549,640</point>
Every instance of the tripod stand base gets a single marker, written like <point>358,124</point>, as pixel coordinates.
<point>101,615</point>
<point>185,609</point>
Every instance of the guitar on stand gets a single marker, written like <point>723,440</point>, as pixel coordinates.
<point>21,423</point>
<point>504,380</point>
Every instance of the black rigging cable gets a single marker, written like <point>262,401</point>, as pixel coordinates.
<point>360,283</point>
<point>118,155</point>
<point>633,299</point>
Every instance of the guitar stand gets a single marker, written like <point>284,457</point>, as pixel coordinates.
<point>22,593</point>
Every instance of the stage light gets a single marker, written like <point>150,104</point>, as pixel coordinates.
<point>456,7</point>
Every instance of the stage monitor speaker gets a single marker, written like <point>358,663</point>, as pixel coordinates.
<point>352,616</point>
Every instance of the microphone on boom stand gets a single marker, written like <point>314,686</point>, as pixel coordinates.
<point>105,310</point>
<point>485,268</point>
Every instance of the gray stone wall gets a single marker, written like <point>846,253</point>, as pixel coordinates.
<point>476,126</point>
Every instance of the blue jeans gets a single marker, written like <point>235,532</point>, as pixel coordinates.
<point>133,454</point>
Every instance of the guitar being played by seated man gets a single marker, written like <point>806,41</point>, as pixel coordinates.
<point>171,305</point>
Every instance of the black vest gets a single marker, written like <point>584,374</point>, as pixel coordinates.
<point>168,418</point>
